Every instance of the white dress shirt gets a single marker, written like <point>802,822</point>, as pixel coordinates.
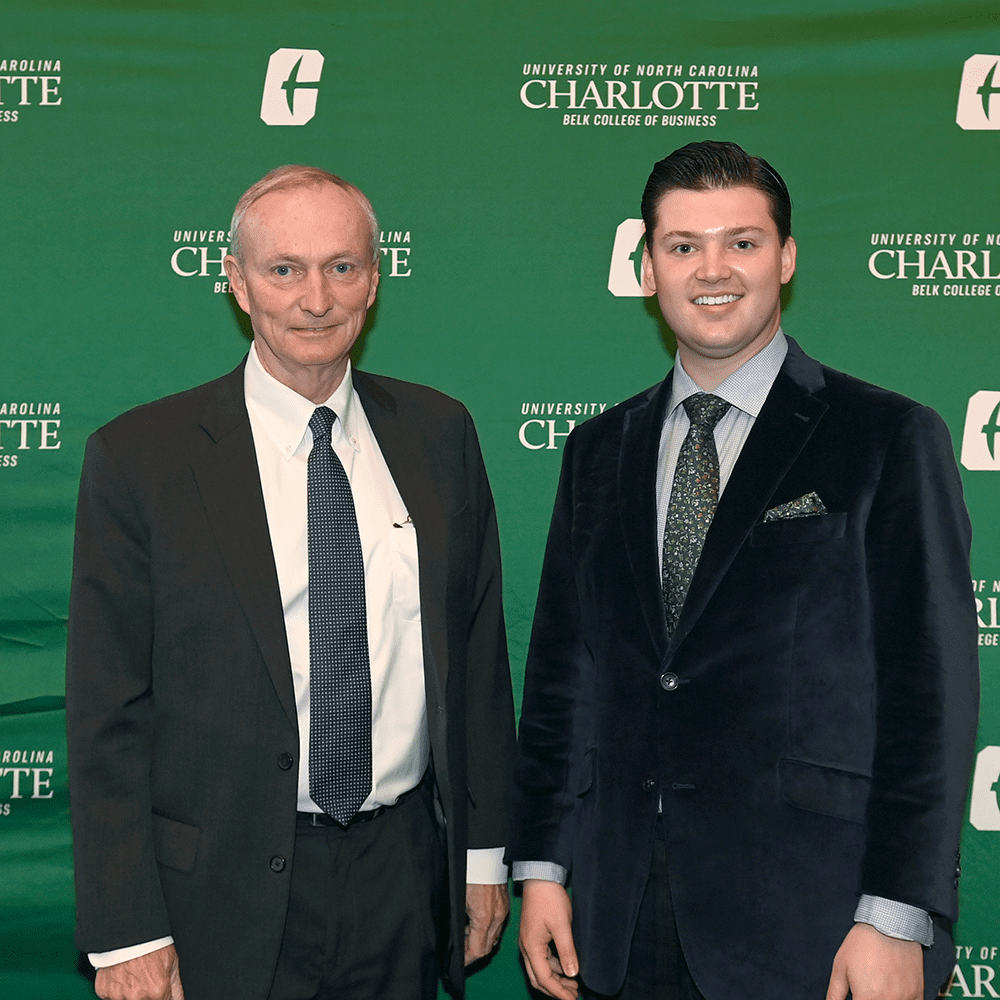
<point>279,419</point>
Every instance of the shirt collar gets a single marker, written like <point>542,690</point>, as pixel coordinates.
<point>285,415</point>
<point>746,388</point>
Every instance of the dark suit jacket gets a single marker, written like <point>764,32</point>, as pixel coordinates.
<point>819,741</point>
<point>180,707</point>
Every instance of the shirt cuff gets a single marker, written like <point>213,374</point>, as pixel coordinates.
<point>484,866</point>
<point>896,920</point>
<point>102,959</point>
<point>548,871</point>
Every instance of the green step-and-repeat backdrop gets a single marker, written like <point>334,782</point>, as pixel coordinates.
<point>505,148</point>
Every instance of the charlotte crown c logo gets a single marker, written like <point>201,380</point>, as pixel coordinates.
<point>979,93</point>
<point>291,86</point>
<point>624,278</point>
<point>980,444</point>
<point>984,811</point>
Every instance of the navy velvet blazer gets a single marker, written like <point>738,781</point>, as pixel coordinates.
<point>180,705</point>
<point>819,741</point>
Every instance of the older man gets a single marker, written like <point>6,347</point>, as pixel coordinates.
<point>288,698</point>
<point>751,693</point>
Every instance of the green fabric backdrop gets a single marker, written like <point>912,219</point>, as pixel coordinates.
<point>505,150</point>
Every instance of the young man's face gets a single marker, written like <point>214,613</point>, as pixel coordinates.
<point>717,265</point>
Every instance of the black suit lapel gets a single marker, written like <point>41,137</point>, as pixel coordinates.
<point>637,505</point>
<point>787,420</point>
<point>229,483</point>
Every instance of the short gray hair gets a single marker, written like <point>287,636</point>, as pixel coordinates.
<point>287,178</point>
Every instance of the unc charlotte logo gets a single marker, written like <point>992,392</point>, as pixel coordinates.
<point>980,444</point>
<point>977,104</point>
<point>624,278</point>
<point>291,86</point>
<point>984,811</point>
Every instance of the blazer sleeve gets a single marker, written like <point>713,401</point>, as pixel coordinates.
<point>489,708</point>
<point>553,711</point>
<point>109,713</point>
<point>927,681</point>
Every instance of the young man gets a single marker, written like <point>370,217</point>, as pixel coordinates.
<point>751,694</point>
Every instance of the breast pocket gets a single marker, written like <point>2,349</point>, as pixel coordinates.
<point>405,578</point>
<point>800,530</point>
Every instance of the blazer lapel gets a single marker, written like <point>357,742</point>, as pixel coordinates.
<point>229,483</point>
<point>637,466</point>
<point>786,422</point>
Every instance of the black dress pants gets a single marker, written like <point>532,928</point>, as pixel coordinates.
<point>366,909</point>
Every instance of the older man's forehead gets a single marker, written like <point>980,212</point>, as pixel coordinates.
<point>279,216</point>
<point>281,199</point>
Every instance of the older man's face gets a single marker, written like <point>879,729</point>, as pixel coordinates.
<point>307,279</point>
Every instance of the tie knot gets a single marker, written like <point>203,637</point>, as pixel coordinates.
<point>705,410</point>
<point>321,422</point>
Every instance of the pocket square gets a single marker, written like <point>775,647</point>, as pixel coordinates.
<point>805,506</point>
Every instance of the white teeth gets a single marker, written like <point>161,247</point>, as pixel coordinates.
<point>714,300</point>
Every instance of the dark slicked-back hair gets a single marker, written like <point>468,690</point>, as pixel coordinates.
<point>707,166</point>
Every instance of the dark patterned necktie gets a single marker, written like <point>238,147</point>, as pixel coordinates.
<point>693,499</point>
<point>340,690</point>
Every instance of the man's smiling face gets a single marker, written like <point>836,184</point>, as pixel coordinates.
<point>716,264</point>
<point>307,278</point>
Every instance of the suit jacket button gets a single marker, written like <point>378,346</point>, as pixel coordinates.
<point>284,761</point>
<point>668,681</point>
<point>277,863</point>
<point>649,784</point>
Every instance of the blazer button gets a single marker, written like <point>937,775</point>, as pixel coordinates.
<point>277,863</point>
<point>649,784</point>
<point>669,681</point>
<point>284,761</point>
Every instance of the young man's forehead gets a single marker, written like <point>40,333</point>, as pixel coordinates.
<point>745,206</point>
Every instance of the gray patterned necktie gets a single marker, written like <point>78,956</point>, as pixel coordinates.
<point>340,688</point>
<point>693,499</point>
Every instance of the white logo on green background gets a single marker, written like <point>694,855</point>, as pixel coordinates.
<point>624,278</point>
<point>984,813</point>
<point>981,440</point>
<point>291,86</point>
<point>979,93</point>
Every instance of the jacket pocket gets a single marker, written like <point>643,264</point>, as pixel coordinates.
<point>588,772</point>
<point>175,844</point>
<point>824,790</point>
<point>800,530</point>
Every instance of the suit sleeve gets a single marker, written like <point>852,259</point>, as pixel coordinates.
<point>109,713</point>
<point>553,711</point>
<point>927,684</point>
<point>489,709</point>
